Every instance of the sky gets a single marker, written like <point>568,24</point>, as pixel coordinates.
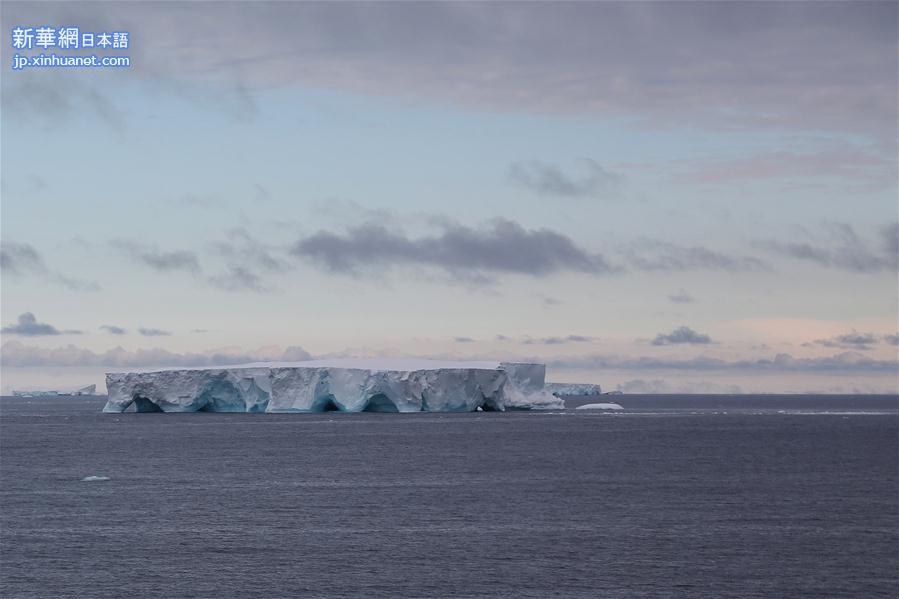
<point>652,196</point>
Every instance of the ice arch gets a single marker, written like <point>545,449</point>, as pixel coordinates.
<point>380,403</point>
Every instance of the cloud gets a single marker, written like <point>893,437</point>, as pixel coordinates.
<point>658,386</point>
<point>112,329</point>
<point>14,353</point>
<point>499,247</point>
<point>891,339</point>
<point>660,256</point>
<point>159,260</point>
<point>795,65</point>
<point>148,332</point>
<point>681,297</point>
<point>558,340</point>
<point>245,257</point>
<point>843,249</point>
<point>50,99</point>
<point>206,200</point>
<point>843,362</point>
<point>260,192</point>
<point>852,340</point>
<point>22,259</point>
<point>241,247</point>
<point>549,301</point>
<point>865,165</point>
<point>682,335</point>
<point>546,340</point>
<point>19,258</point>
<point>549,180</point>
<point>237,278</point>
<point>463,339</point>
<point>28,326</point>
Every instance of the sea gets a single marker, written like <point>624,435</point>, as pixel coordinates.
<point>673,496</point>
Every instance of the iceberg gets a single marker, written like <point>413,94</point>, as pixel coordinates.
<point>345,385</point>
<point>560,389</point>
<point>600,406</point>
<point>86,390</point>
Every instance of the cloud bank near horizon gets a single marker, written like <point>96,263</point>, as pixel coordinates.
<point>15,353</point>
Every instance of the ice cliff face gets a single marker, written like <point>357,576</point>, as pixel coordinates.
<point>343,385</point>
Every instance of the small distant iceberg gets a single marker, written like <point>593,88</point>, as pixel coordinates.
<point>600,406</point>
<point>94,479</point>
<point>560,389</point>
<point>86,390</point>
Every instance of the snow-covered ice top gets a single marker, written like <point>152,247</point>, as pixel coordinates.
<point>373,364</point>
<point>344,384</point>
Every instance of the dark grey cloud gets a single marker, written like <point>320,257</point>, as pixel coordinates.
<point>734,64</point>
<point>159,260</point>
<point>843,249</point>
<point>660,256</point>
<point>681,297</point>
<point>28,326</point>
<point>682,335</point>
<point>14,353</point>
<point>241,247</point>
<point>238,278</point>
<point>891,339</point>
<point>463,339</point>
<point>246,257</point>
<point>112,329</point>
<point>22,260</point>
<point>500,247</point>
<point>545,179</point>
<point>851,340</point>
<point>150,332</point>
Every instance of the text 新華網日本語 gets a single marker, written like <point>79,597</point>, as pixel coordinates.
<point>67,39</point>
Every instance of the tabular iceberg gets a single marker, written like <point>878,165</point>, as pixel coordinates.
<point>559,389</point>
<point>347,385</point>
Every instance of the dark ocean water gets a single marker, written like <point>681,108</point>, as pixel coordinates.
<point>679,496</point>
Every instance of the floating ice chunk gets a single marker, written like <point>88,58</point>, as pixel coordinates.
<point>94,479</point>
<point>600,406</point>
<point>344,385</point>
